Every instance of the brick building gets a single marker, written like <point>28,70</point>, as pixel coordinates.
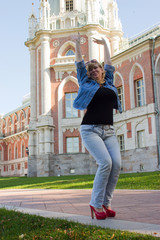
<point>52,135</point>
<point>14,140</point>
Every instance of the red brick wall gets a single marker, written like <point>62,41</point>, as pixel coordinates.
<point>54,50</point>
<point>129,130</point>
<point>150,125</point>
<point>125,69</point>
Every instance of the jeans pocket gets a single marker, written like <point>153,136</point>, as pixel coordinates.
<point>86,128</point>
<point>110,132</point>
<point>97,129</point>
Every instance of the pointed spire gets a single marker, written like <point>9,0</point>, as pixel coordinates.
<point>32,23</point>
<point>44,14</point>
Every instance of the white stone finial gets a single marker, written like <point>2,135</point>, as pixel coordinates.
<point>32,23</point>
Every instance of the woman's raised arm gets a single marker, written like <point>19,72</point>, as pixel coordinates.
<point>107,58</point>
<point>76,39</point>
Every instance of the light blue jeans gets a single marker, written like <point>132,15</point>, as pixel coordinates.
<point>102,144</point>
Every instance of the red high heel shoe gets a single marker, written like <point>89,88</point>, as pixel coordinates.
<point>98,215</point>
<point>109,212</point>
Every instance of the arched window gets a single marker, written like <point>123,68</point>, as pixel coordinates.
<point>9,127</point>
<point>16,152</point>
<point>139,90</point>
<point>1,156</point>
<point>29,113</point>
<point>70,52</point>
<point>23,150</point>
<point>137,86</point>
<point>3,128</point>
<point>120,88</point>
<point>121,98</point>
<point>15,124</point>
<point>9,153</point>
<point>22,122</point>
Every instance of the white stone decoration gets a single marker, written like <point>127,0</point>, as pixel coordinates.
<point>56,43</point>
<point>82,40</point>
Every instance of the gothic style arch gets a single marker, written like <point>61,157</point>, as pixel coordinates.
<point>60,108</point>
<point>9,125</point>
<point>3,126</point>
<point>118,75</point>
<point>131,83</point>
<point>23,149</point>
<point>1,153</point>
<point>9,152</point>
<point>22,117</point>
<point>15,122</point>
<point>16,150</point>
<point>66,45</point>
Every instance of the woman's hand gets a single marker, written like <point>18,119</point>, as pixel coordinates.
<point>99,41</point>
<point>76,38</point>
<point>107,58</point>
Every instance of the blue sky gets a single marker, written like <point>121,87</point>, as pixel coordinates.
<point>136,16</point>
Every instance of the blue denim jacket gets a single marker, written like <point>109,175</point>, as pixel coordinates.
<point>88,86</point>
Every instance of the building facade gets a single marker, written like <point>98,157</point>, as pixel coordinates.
<point>14,140</point>
<point>54,142</point>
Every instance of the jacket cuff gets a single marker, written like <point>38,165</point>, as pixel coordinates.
<point>109,68</point>
<point>80,64</point>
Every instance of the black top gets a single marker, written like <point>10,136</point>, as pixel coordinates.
<point>100,109</point>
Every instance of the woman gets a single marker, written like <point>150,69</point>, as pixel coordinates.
<point>99,96</point>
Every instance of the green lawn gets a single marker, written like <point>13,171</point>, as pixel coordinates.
<point>145,180</point>
<point>15,226</point>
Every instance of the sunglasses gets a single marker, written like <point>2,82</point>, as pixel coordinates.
<point>91,61</point>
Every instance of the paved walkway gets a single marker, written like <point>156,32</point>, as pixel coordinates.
<point>137,210</point>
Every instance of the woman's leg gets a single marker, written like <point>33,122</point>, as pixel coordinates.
<point>95,145</point>
<point>114,151</point>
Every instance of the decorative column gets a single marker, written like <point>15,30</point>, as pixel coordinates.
<point>62,6</point>
<point>45,76</point>
<point>115,45</point>
<point>32,158</point>
<point>41,141</point>
<point>93,47</point>
<point>33,83</point>
<point>75,6</point>
<point>32,144</point>
<point>47,140</point>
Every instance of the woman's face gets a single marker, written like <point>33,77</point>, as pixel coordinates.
<point>95,72</point>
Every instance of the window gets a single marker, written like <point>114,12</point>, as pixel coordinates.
<point>72,144</point>
<point>140,93</point>
<point>16,152</point>
<point>9,154</point>
<point>0,155</point>
<point>69,5</point>
<point>70,53</point>
<point>140,139</point>
<point>120,94</point>
<point>23,151</point>
<point>121,142</point>
<point>71,112</point>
